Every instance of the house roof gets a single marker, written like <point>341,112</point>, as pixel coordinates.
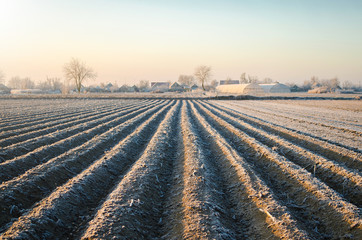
<point>250,88</point>
<point>275,87</point>
<point>176,85</point>
<point>223,82</point>
<point>160,85</point>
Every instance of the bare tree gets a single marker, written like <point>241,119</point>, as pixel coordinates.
<point>347,85</point>
<point>2,78</point>
<point>21,83</point>
<point>214,83</point>
<point>186,80</point>
<point>50,84</point>
<point>331,84</point>
<point>252,79</point>
<point>228,80</point>
<point>78,72</point>
<point>203,73</point>
<point>267,80</point>
<point>143,85</point>
<point>243,78</point>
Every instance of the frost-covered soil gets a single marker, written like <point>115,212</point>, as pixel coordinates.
<point>335,121</point>
<point>180,169</point>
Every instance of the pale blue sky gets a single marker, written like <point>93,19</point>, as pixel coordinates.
<point>126,41</point>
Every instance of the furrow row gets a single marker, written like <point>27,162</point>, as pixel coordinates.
<point>23,191</point>
<point>12,137</point>
<point>307,120</point>
<point>196,207</point>
<point>135,206</point>
<point>73,128</point>
<point>324,211</point>
<point>174,169</point>
<point>59,112</point>
<point>20,164</point>
<point>347,182</point>
<point>56,215</point>
<point>340,154</point>
<point>254,202</point>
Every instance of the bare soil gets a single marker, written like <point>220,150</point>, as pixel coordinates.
<point>180,169</point>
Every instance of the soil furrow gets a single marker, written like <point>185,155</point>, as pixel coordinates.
<point>30,122</point>
<point>253,202</point>
<point>202,212</point>
<point>17,114</point>
<point>343,155</point>
<point>322,210</point>
<point>71,129</point>
<point>347,183</point>
<point>135,206</point>
<point>55,216</point>
<point>19,165</point>
<point>22,192</point>
<point>35,131</point>
<point>302,120</point>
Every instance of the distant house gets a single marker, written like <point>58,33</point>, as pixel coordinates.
<point>176,87</point>
<point>224,82</point>
<point>123,88</point>
<point>194,87</point>
<point>134,88</point>
<point>160,86</point>
<point>275,88</point>
<point>186,87</point>
<point>4,89</point>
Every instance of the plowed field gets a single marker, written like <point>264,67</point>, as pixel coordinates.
<point>180,169</point>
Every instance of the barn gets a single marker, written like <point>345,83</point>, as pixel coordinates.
<point>225,82</point>
<point>275,88</point>
<point>249,88</point>
<point>160,86</point>
<point>4,89</point>
<point>176,87</point>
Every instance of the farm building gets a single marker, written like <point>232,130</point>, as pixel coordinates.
<point>186,88</point>
<point>4,89</point>
<point>26,91</point>
<point>275,88</point>
<point>176,87</point>
<point>318,90</point>
<point>225,82</point>
<point>194,87</point>
<point>160,86</point>
<point>250,88</point>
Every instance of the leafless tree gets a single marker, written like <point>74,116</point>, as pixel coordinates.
<point>243,78</point>
<point>267,80</point>
<point>228,80</point>
<point>78,72</point>
<point>52,84</point>
<point>143,85</point>
<point>331,84</point>
<point>2,78</point>
<point>214,83</point>
<point>21,83</point>
<point>253,79</point>
<point>347,85</point>
<point>186,80</point>
<point>203,73</point>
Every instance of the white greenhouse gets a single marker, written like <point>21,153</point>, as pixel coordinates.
<point>275,88</point>
<point>250,88</point>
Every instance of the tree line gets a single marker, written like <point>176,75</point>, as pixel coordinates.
<point>77,72</point>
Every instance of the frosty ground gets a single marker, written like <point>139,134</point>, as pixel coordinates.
<point>180,169</point>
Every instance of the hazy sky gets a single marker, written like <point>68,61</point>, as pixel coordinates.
<point>157,40</point>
